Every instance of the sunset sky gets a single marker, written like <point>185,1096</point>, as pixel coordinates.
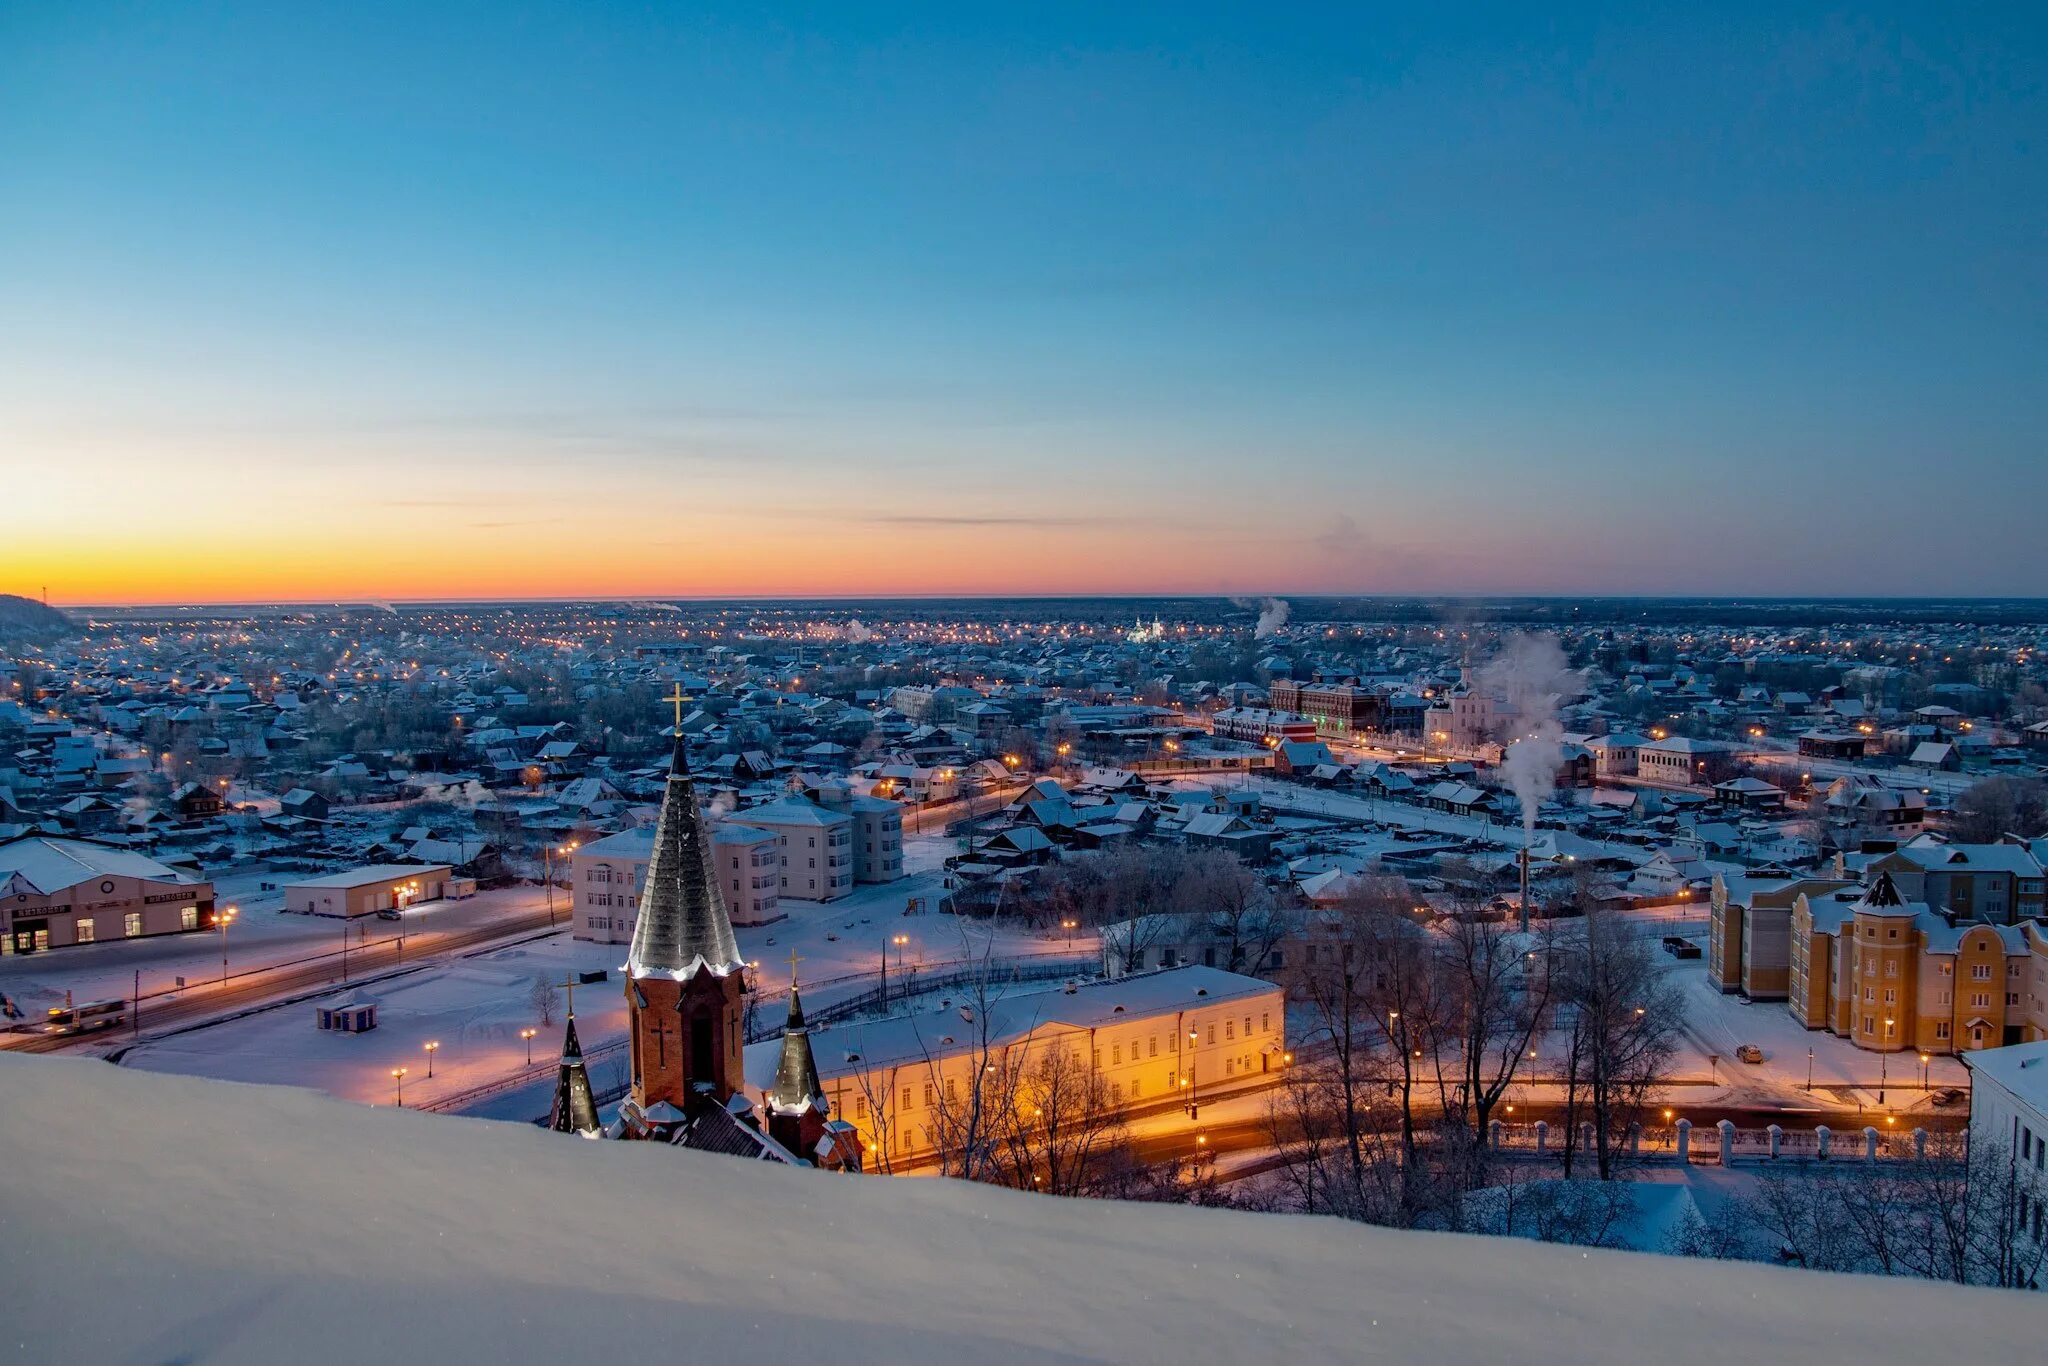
<point>443,300</point>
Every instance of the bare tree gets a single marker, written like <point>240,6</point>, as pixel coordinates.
<point>1621,1024</point>
<point>543,997</point>
<point>973,1105</point>
<point>1069,1134</point>
<point>1231,904</point>
<point>1999,806</point>
<point>1497,986</point>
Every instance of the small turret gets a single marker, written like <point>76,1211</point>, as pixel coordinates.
<point>575,1107</point>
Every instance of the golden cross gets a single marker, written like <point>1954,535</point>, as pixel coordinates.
<point>569,982</point>
<point>792,967</point>
<point>678,698</point>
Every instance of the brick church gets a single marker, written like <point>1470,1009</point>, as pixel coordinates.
<point>686,993</point>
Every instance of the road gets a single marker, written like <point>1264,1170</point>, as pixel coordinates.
<point>205,1001</point>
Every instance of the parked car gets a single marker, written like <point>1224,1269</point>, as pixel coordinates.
<point>1951,1095</point>
<point>389,914</point>
<point>1750,1054</point>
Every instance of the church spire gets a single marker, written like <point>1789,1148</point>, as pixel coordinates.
<point>683,923</point>
<point>797,1087</point>
<point>575,1108</point>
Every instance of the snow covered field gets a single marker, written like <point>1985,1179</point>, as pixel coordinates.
<point>154,1218</point>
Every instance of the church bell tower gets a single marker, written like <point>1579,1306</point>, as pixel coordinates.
<point>685,982</point>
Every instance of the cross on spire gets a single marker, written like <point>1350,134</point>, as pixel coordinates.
<point>793,960</point>
<point>676,696</point>
<point>568,983</point>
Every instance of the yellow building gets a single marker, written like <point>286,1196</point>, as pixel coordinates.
<point>908,1084</point>
<point>1893,975</point>
<point>1749,939</point>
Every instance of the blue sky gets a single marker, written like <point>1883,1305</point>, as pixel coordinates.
<point>1185,298</point>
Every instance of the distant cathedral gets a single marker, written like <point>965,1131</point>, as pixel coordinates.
<point>686,992</point>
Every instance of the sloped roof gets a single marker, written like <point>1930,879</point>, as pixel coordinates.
<point>683,924</point>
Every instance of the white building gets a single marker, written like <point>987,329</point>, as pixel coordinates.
<point>2009,1108</point>
<point>817,846</point>
<point>367,890</point>
<point>606,877</point>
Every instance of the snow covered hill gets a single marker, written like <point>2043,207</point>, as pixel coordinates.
<point>158,1218</point>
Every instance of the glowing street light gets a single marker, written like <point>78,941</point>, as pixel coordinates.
<point>398,1076</point>
<point>432,1046</point>
<point>222,919</point>
<point>527,1034</point>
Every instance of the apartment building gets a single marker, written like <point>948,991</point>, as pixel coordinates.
<point>817,845</point>
<point>2000,884</point>
<point>1895,975</point>
<point>877,832</point>
<point>1749,932</point>
<point>607,876</point>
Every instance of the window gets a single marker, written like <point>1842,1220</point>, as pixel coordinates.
<point>85,931</point>
<point>188,917</point>
<point>1152,1047</point>
<point>1980,972</point>
<point>1264,1018</point>
<point>952,1090</point>
<point>906,1097</point>
<point>131,924</point>
<point>1230,1029</point>
<point>860,1107</point>
<point>1941,1029</point>
<point>1212,1031</point>
<point>1116,1054</point>
<point>927,1095</point>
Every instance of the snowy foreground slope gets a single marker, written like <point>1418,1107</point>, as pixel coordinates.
<point>148,1218</point>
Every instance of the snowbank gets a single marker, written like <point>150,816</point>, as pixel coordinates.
<point>159,1218</point>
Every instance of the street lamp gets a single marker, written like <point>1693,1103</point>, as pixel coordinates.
<point>1068,925</point>
<point>1924,1060</point>
<point>222,919</point>
<point>899,941</point>
<point>1883,1057</point>
<point>432,1046</point>
<point>548,873</point>
<point>398,1076</point>
<point>527,1034</point>
<point>1194,1105</point>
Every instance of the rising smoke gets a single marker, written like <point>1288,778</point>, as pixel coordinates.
<point>1530,674</point>
<point>1273,614</point>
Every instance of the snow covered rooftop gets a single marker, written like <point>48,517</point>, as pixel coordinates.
<point>284,1225</point>
<point>50,865</point>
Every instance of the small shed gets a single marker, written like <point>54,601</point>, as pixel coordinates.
<point>352,1016</point>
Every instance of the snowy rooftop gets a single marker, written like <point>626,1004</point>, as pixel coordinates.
<point>282,1225</point>
<point>50,865</point>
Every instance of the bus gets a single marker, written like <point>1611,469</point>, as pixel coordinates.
<point>86,1018</point>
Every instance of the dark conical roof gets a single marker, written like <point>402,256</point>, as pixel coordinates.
<point>575,1108</point>
<point>796,1074</point>
<point>1883,892</point>
<point>683,924</point>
